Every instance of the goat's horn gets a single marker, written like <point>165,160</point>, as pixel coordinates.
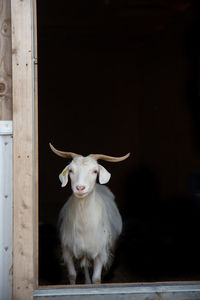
<point>109,158</point>
<point>62,153</point>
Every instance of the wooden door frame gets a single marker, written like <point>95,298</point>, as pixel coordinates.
<point>24,147</point>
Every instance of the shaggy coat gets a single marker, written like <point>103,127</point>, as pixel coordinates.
<point>90,227</point>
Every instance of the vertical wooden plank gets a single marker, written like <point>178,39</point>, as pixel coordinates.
<point>23,168</point>
<point>5,61</point>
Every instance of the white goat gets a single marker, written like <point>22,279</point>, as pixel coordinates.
<point>90,222</point>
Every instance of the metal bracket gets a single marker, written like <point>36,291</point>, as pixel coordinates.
<point>6,127</point>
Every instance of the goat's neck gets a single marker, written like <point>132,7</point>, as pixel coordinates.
<point>90,198</point>
<point>87,208</point>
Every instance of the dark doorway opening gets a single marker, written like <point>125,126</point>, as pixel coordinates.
<point>114,77</point>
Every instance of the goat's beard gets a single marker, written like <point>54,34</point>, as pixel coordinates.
<point>84,195</point>
<point>81,196</point>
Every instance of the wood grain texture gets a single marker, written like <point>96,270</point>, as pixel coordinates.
<point>5,61</point>
<point>23,126</point>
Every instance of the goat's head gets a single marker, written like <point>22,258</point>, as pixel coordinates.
<point>83,171</point>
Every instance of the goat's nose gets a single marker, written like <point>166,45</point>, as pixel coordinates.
<point>80,188</point>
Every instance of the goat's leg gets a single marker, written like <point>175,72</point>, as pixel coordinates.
<point>70,266</point>
<point>84,264</point>
<point>98,264</point>
<point>87,275</point>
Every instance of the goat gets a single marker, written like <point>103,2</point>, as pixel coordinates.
<point>90,222</point>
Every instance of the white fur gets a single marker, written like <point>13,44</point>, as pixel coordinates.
<point>90,223</point>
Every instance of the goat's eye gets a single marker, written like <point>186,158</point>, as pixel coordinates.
<point>70,171</point>
<point>95,171</point>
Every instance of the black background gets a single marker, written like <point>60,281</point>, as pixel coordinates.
<point>118,77</point>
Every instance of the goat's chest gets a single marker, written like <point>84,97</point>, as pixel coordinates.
<point>88,228</point>
<point>87,219</point>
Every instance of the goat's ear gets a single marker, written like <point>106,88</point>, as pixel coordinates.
<point>64,176</point>
<point>104,175</point>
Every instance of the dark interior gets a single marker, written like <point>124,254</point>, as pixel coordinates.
<point>117,77</point>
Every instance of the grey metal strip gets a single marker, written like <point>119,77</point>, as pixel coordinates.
<point>132,289</point>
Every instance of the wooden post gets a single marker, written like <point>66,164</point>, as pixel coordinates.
<point>5,61</point>
<point>23,168</point>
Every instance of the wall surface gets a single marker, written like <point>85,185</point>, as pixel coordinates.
<point>6,212</point>
<point>5,61</point>
<point>6,142</point>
